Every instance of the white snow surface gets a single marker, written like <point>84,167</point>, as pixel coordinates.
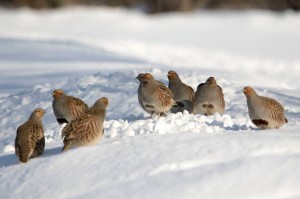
<point>95,52</point>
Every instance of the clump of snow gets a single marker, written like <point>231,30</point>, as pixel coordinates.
<point>9,148</point>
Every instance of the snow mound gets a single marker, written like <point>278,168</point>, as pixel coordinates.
<point>125,116</point>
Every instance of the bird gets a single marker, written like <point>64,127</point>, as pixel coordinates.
<point>30,140</point>
<point>140,78</point>
<point>264,112</point>
<point>154,96</point>
<point>66,108</point>
<point>182,105</point>
<point>87,129</point>
<point>180,90</point>
<point>209,98</point>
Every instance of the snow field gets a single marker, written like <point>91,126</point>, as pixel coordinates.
<point>159,166</point>
<point>95,52</point>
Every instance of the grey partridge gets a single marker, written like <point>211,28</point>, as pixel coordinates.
<point>154,96</point>
<point>209,98</point>
<point>30,140</point>
<point>87,129</point>
<point>264,112</point>
<point>180,90</point>
<point>66,108</point>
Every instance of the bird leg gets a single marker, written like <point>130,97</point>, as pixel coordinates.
<point>151,114</point>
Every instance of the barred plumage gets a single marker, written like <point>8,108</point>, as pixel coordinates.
<point>67,108</point>
<point>209,98</point>
<point>180,90</point>
<point>264,112</point>
<point>87,129</point>
<point>153,95</point>
<point>30,141</point>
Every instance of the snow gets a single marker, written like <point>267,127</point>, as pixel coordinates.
<point>95,52</point>
<point>240,165</point>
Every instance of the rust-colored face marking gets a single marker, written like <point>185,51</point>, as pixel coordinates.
<point>211,81</point>
<point>248,90</point>
<point>105,100</point>
<point>148,76</point>
<point>57,93</point>
<point>172,75</point>
<point>40,112</point>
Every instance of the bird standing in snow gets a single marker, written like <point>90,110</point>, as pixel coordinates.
<point>183,94</point>
<point>87,129</point>
<point>209,98</point>
<point>30,140</point>
<point>264,112</point>
<point>180,90</point>
<point>140,78</point>
<point>154,96</point>
<point>67,108</point>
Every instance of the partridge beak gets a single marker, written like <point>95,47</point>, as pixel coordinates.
<point>52,93</point>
